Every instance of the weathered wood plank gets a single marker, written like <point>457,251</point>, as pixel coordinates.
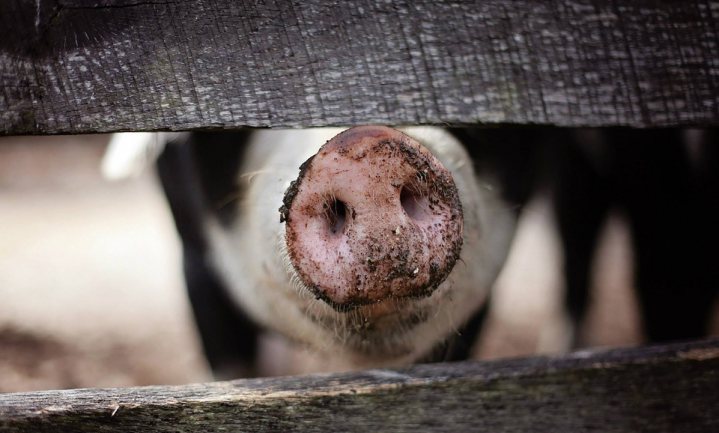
<point>655,389</point>
<point>71,66</point>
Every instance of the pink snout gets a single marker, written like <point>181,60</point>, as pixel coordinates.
<point>372,216</point>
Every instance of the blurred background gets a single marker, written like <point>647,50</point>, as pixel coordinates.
<point>91,291</point>
<point>90,287</point>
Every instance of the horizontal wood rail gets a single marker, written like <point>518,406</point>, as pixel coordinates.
<point>77,66</point>
<point>671,388</point>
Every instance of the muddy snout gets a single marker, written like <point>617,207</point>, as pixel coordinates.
<point>372,216</point>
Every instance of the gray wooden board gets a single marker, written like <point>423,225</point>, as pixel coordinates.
<point>671,388</point>
<point>75,66</point>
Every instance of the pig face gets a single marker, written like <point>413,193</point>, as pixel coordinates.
<point>385,241</point>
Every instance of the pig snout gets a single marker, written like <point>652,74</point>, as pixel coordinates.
<point>372,216</point>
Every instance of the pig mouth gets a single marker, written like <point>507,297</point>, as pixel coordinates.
<point>377,329</point>
<point>375,308</point>
<point>380,330</point>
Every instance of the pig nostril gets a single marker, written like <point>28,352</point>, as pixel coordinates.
<point>336,212</point>
<point>413,203</point>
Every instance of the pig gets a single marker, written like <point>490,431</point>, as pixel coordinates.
<point>377,247</point>
<point>372,245</point>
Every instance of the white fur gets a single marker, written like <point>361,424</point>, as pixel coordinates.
<point>251,256</point>
<point>129,154</point>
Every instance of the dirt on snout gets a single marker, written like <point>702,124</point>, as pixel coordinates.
<point>372,216</point>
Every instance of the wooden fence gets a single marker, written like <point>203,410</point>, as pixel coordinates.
<point>72,66</point>
<point>81,66</point>
<point>672,388</point>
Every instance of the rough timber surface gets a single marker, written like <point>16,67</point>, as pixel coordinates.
<point>669,388</point>
<point>74,66</point>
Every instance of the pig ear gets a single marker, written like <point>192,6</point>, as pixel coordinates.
<point>128,154</point>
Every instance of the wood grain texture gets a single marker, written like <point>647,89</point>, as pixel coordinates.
<point>73,66</point>
<point>653,389</point>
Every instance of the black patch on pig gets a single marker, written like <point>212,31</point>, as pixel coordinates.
<point>217,157</point>
<point>513,156</point>
<point>191,187</point>
<point>460,344</point>
<point>179,180</point>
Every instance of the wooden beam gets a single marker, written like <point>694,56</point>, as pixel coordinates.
<point>652,389</point>
<point>75,66</point>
